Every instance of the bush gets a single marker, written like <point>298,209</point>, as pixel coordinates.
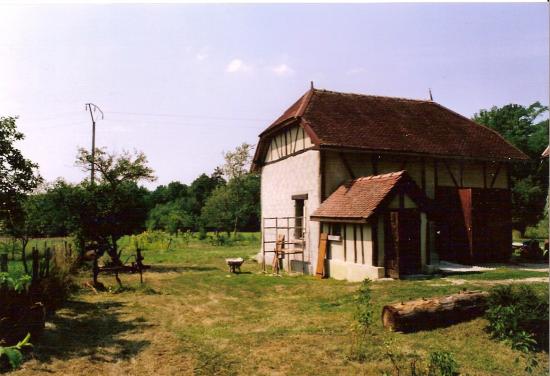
<point>363,305</point>
<point>518,315</point>
<point>442,363</point>
<point>363,316</point>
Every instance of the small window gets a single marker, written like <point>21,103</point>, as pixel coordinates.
<point>335,229</point>
<point>299,220</point>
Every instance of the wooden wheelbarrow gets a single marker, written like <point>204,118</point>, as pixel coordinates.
<point>234,264</point>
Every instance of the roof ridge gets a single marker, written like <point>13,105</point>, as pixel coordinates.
<point>381,176</point>
<point>374,96</point>
<point>305,103</point>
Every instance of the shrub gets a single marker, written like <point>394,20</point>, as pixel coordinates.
<point>363,305</point>
<point>518,315</point>
<point>442,363</point>
<point>363,316</point>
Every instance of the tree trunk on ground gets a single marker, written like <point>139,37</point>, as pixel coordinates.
<point>423,314</point>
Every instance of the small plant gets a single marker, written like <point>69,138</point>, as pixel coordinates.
<point>363,315</point>
<point>442,363</point>
<point>11,357</point>
<point>18,284</point>
<point>439,363</point>
<point>363,305</point>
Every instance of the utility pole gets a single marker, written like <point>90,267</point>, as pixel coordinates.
<point>92,108</point>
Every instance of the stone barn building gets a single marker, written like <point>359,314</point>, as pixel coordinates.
<point>369,186</point>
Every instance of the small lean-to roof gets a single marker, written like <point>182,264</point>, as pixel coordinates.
<point>387,124</point>
<point>359,199</point>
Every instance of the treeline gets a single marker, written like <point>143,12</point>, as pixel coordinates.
<point>119,206</point>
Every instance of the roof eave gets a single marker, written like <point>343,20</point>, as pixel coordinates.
<point>339,147</point>
<point>321,218</point>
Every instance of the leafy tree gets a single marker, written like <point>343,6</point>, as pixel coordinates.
<point>235,205</point>
<point>202,187</point>
<point>237,162</point>
<point>166,193</point>
<point>116,206</point>
<point>518,124</point>
<point>115,169</point>
<point>172,216</point>
<point>18,177</point>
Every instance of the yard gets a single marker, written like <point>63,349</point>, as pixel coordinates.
<point>192,317</point>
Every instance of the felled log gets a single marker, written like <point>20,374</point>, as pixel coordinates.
<point>425,314</point>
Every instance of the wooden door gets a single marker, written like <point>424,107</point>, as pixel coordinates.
<point>391,244</point>
<point>409,242</point>
<point>402,243</point>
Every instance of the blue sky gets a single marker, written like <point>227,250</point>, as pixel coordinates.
<point>185,82</point>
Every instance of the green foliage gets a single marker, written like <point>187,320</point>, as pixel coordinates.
<point>234,205</point>
<point>364,310</point>
<point>518,124</point>
<point>439,363</point>
<point>18,175</point>
<point>16,283</point>
<point>442,363</point>
<point>363,315</point>
<point>519,316</point>
<point>171,217</point>
<point>12,354</point>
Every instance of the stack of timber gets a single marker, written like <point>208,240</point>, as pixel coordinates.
<point>425,314</point>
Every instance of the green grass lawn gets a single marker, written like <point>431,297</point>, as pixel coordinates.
<point>191,317</point>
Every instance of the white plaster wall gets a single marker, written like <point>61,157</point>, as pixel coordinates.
<point>352,272</point>
<point>295,175</point>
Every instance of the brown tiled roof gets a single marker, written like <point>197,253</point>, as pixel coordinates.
<point>361,198</point>
<point>386,124</point>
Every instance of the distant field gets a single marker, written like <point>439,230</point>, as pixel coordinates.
<point>192,317</point>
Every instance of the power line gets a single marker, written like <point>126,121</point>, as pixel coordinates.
<point>187,116</point>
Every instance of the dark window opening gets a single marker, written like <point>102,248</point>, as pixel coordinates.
<point>335,229</point>
<point>299,220</point>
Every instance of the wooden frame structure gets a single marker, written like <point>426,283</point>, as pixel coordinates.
<point>283,226</point>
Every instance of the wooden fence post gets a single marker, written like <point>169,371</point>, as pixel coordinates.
<point>47,256</point>
<point>4,262</point>
<point>35,264</point>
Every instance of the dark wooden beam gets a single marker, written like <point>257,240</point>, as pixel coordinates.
<point>435,175</point>
<point>423,175</point>
<point>450,173</point>
<point>346,165</point>
<point>345,230</point>
<point>277,146</point>
<point>322,174</point>
<point>374,235</point>
<point>484,166</point>
<point>355,243</point>
<point>362,229</point>
<point>461,171</point>
<point>374,162</point>
<point>496,175</point>
<point>296,139</point>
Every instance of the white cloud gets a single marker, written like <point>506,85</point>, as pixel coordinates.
<point>237,65</point>
<point>202,54</point>
<point>282,70</point>
<point>354,71</point>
